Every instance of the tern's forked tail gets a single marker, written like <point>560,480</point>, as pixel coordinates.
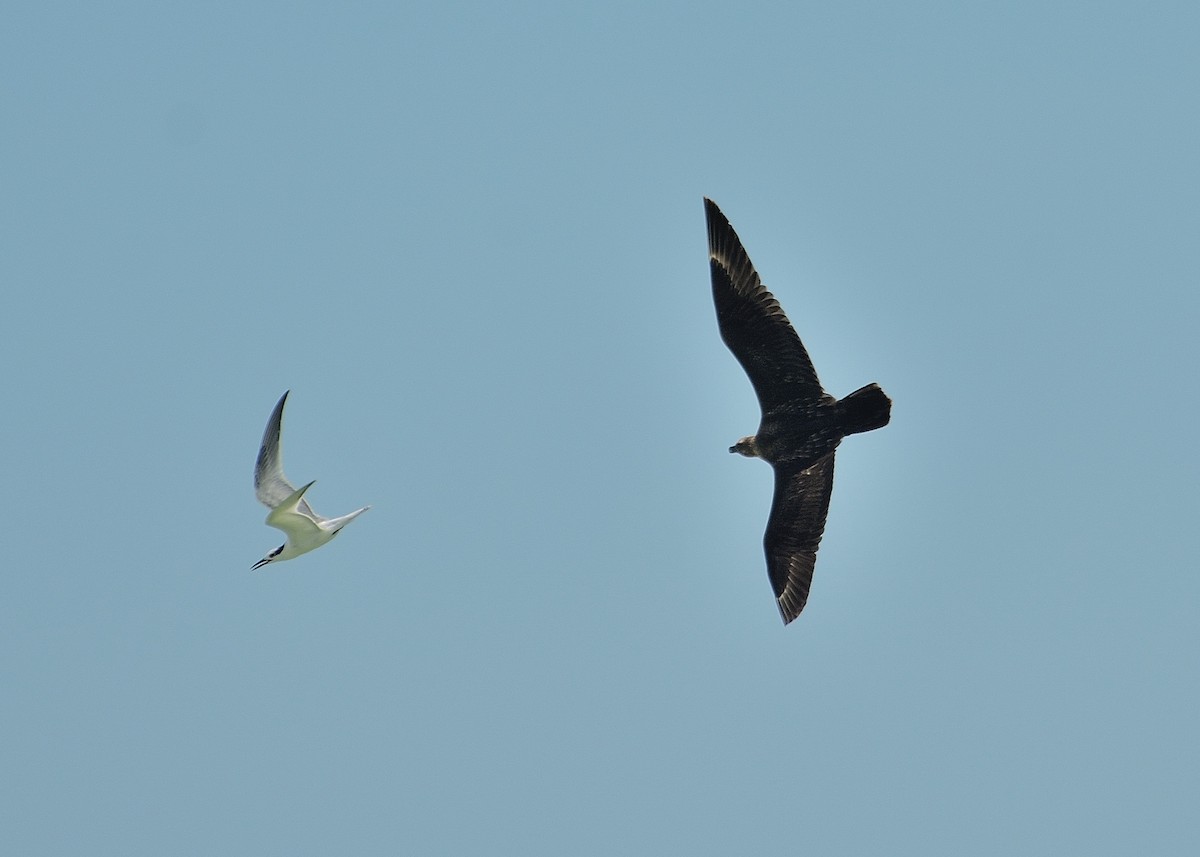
<point>336,524</point>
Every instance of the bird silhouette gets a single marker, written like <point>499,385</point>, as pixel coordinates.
<point>801,424</point>
<point>290,512</point>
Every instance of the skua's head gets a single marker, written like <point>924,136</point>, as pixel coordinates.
<point>747,446</point>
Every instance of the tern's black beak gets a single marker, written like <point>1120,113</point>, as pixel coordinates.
<point>259,564</point>
<point>733,449</point>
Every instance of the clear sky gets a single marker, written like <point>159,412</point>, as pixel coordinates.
<point>469,238</point>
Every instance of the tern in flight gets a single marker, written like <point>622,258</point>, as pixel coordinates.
<point>801,425</point>
<point>290,512</point>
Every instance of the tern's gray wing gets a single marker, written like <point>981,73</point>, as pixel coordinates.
<point>794,532</point>
<point>270,485</point>
<point>289,517</point>
<point>753,323</point>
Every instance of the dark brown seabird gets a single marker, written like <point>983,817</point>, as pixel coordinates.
<point>801,424</point>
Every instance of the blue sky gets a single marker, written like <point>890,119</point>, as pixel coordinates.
<point>470,240</point>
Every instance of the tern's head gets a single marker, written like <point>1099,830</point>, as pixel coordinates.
<point>747,446</point>
<point>271,557</point>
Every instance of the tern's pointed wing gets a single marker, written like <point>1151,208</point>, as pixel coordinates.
<point>270,485</point>
<point>294,517</point>
<point>794,532</point>
<point>753,324</point>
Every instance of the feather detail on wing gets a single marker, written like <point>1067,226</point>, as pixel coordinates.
<point>289,517</point>
<point>752,322</point>
<point>794,532</point>
<point>270,485</point>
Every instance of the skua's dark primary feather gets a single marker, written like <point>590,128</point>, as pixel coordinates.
<point>752,322</point>
<point>794,532</point>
